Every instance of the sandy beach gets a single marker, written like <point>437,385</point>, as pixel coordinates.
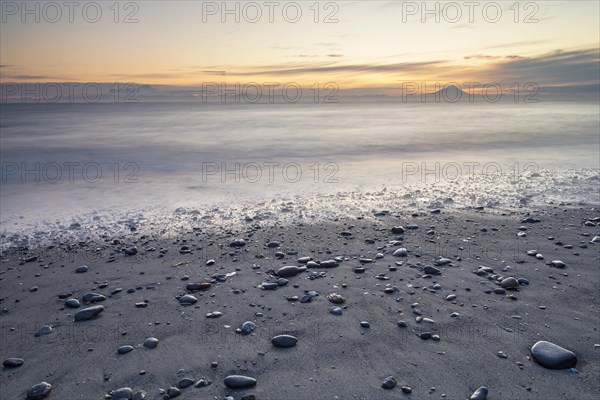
<point>428,316</point>
<point>299,200</point>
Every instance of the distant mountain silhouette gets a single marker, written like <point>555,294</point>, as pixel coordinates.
<point>450,93</point>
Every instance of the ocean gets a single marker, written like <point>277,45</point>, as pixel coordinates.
<point>68,162</point>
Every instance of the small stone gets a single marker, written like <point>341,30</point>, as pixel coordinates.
<point>88,313</point>
<point>93,298</point>
<point>124,393</point>
<point>39,391</point>
<point>239,381</point>
<point>288,271</point>
<point>552,356</point>
<point>530,220</point>
<point>479,394</point>
<point>406,389</point>
<point>523,281</point>
<point>202,382</point>
<point>389,383</point>
<point>335,310</point>
<point>173,392</point>
<point>328,264</point>
<point>451,297</point>
<point>401,252</point>
<point>82,269</point>
<point>282,281</point>
<point>196,287</point>
<point>131,250</point>
<point>365,324</point>
<point>284,341</point>
<point>398,230</point>
<point>431,270</point>
<point>442,261</point>
<point>336,298</point>
<point>510,283</point>
<point>501,354</point>
<point>238,243</point>
<point>12,362</point>
<point>151,343</point>
<point>269,285</point>
<point>248,327</point>
<point>558,264</point>
<point>44,330</point>
<point>187,300</point>
<point>124,349</point>
<point>185,382</point>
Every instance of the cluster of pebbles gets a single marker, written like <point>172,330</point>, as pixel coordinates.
<point>389,246</point>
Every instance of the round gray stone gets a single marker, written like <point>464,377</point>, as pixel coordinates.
<point>431,270</point>
<point>72,303</point>
<point>44,330</point>
<point>284,341</point>
<point>187,300</point>
<point>88,313</point>
<point>82,269</point>
<point>151,343</point>
<point>123,393</point>
<point>239,381</point>
<point>389,383</point>
<point>39,391</point>
<point>552,356</point>
<point>248,327</point>
<point>480,394</point>
<point>185,382</point>
<point>401,252</point>
<point>288,271</point>
<point>510,283</point>
<point>12,362</point>
<point>124,349</point>
<point>93,298</point>
<point>335,310</point>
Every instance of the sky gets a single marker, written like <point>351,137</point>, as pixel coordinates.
<point>356,44</point>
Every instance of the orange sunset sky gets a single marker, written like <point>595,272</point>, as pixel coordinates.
<point>353,43</point>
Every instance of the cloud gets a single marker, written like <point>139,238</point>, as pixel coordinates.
<point>146,76</point>
<point>334,68</point>
<point>489,57</point>
<point>521,43</point>
<point>215,72</point>
<point>557,67</point>
<point>26,77</point>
